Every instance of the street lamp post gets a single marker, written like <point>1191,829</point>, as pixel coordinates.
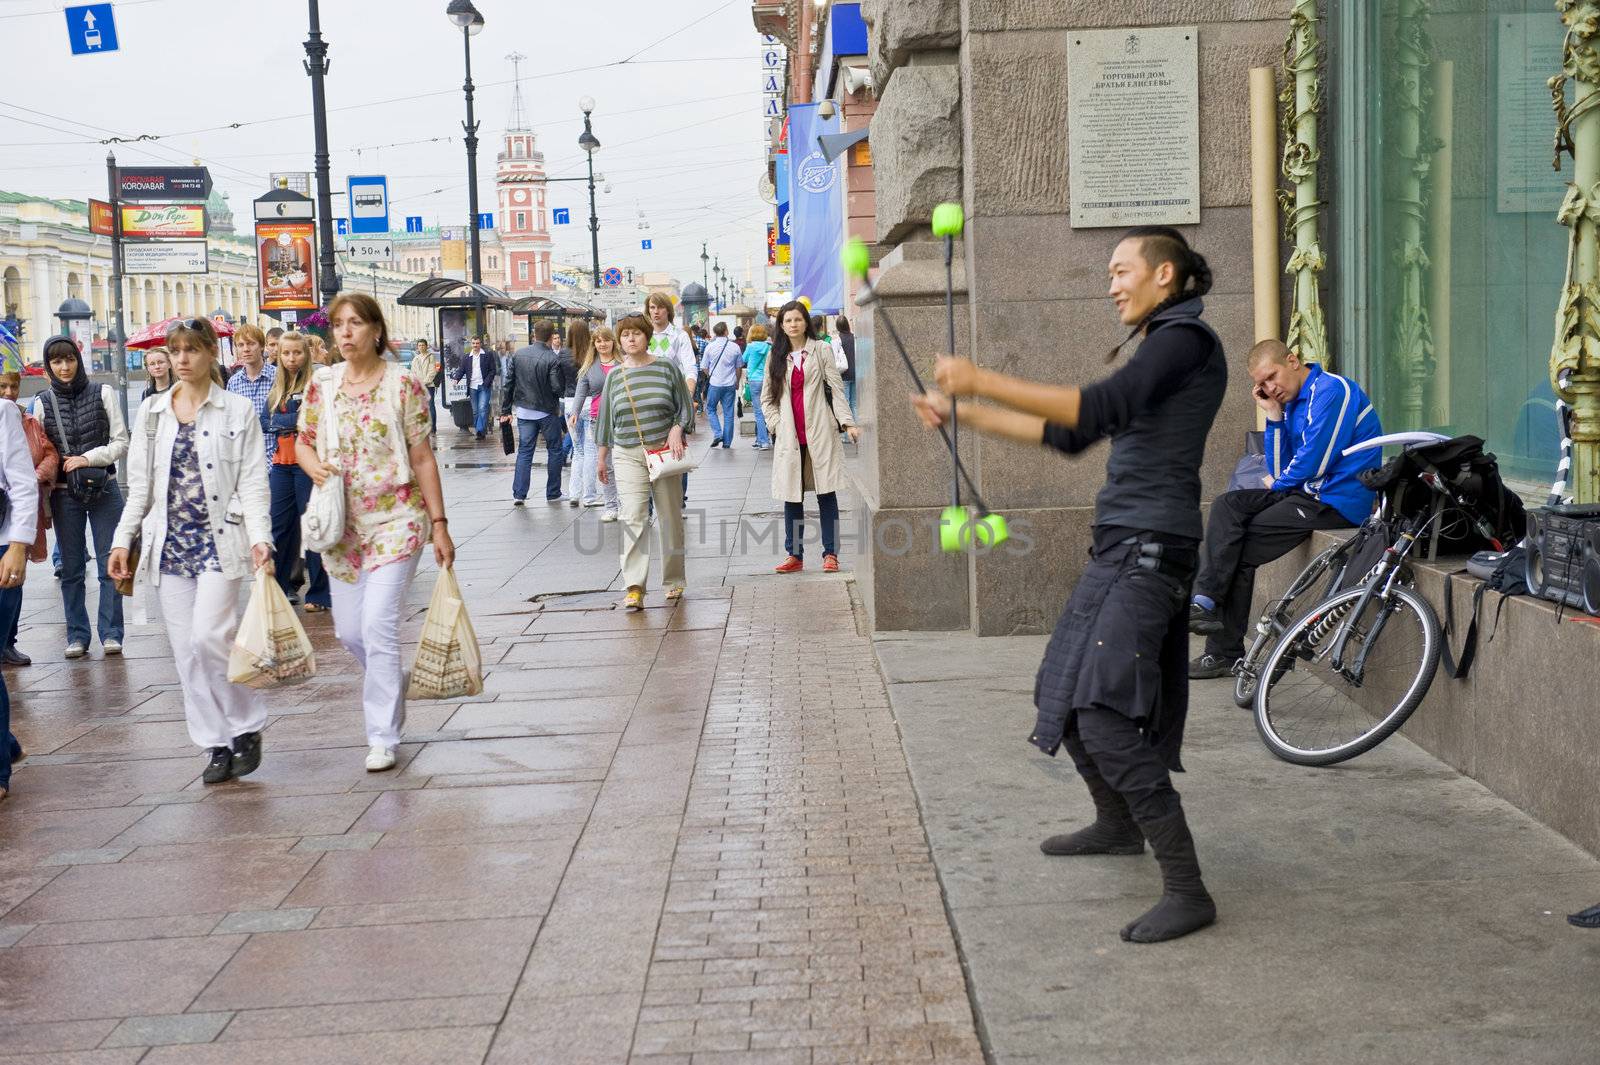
<point>589,143</point>
<point>716,268</point>
<point>316,66</point>
<point>705,277</point>
<point>466,17</point>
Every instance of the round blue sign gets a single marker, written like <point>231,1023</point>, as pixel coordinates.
<point>612,276</point>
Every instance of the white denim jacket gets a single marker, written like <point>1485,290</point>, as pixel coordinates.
<point>233,468</point>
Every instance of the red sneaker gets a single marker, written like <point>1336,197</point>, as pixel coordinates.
<point>830,563</point>
<point>790,565</point>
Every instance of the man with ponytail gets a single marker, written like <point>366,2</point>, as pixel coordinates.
<point>1113,686</point>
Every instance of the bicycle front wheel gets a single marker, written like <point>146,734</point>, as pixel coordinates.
<point>1316,712</point>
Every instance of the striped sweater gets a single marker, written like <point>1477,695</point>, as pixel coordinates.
<point>659,400</point>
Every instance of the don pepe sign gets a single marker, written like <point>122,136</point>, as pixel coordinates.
<point>157,220</point>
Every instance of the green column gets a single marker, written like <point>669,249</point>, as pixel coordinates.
<point>1575,356</point>
<point>1410,158</point>
<point>1301,102</point>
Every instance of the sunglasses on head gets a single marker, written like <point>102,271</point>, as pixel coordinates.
<point>197,325</point>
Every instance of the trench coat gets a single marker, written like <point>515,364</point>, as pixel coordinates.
<point>822,428</point>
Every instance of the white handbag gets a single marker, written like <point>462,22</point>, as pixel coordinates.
<point>657,461</point>
<point>322,525</point>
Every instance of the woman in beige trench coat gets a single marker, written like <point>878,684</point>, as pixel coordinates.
<point>806,453</point>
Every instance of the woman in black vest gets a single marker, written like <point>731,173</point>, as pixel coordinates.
<point>1113,686</point>
<point>85,424</point>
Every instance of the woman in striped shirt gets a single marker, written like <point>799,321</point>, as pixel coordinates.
<point>644,405</point>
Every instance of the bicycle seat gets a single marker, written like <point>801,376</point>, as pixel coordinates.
<point>1409,440</point>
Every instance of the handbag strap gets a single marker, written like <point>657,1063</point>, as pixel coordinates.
<point>328,441</point>
<point>55,412</point>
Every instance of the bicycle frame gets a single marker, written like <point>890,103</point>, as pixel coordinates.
<point>1380,585</point>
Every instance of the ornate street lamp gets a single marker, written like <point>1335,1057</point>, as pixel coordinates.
<point>590,143</point>
<point>467,19</point>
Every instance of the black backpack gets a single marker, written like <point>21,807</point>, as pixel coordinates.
<point>1500,571</point>
<point>1482,513</point>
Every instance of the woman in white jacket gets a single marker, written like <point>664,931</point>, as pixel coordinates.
<point>198,500</point>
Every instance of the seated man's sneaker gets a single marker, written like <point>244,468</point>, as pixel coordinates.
<point>1209,667</point>
<point>1203,622</point>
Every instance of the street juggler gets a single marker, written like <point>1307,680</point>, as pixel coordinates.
<point>1114,683</point>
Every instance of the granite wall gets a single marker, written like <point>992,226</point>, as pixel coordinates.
<point>973,107</point>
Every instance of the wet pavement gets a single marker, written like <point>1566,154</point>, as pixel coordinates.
<point>686,835</point>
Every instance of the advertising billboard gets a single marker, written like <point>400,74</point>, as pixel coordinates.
<point>158,220</point>
<point>286,265</point>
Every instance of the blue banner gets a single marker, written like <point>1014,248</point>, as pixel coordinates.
<point>781,169</point>
<point>816,208</point>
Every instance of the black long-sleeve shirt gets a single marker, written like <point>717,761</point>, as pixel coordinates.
<point>1157,410</point>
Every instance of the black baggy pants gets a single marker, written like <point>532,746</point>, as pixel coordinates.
<point>1249,528</point>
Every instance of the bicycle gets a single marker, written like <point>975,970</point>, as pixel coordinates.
<point>1349,672</point>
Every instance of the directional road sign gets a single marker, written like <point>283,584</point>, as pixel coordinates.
<point>561,216</point>
<point>369,203</point>
<point>342,226</point>
<point>370,251</point>
<point>413,223</point>
<point>644,244</point>
<point>91,28</point>
<point>486,220</point>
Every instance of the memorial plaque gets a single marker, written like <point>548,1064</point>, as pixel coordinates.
<point>1529,51</point>
<point>1133,126</point>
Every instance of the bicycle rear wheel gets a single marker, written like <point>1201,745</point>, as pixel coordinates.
<point>1313,714</point>
<point>1328,563</point>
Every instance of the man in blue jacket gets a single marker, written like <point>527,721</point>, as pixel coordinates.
<point>1312,417</point>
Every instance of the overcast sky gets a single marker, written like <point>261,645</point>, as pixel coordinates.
<point>679,123</point>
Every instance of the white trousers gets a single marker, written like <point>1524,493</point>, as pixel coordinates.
<point>202,616</point>
<point>366,618</point>
<point>636,490</point>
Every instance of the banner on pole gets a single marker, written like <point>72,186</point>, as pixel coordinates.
<point>816,206</point>
<point>286,264</point>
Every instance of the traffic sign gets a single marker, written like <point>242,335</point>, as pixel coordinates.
<point>91,28</point>
<point>561,216</point>
<point>486,220</point>
<point>413,223</point>
<point>612,277</point>
<point>142,183</point>
<point>369,203</point>
<point>644,244</point>
<point>370,251</point>
<point>342,226</point>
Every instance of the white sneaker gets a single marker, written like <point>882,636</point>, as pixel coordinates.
<point>594,502</point>
<point>76,649</point>
<point>111,647</point>
<point>609,515</point>
<point>379,758</point>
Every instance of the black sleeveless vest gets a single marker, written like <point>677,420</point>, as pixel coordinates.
<point>83,419</point>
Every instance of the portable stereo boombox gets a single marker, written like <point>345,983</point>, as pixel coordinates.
<point>1564,555</point>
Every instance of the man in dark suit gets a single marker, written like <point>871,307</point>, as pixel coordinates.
<point>532,395</point>
<point>480,368</point>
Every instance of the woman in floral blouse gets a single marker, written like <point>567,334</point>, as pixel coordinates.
<point>393,503</point>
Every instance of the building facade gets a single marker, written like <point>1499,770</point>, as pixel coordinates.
<point>524,220</point>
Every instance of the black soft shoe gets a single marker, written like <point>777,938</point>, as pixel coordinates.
<point>246,753</point>
<point>1209,666</point>
<point>1589,918</point>
<point>1114,831</point>
<point>1185,904</point>
<point>220,767</point>
<point>13,657</point>
<point>1203,622</point>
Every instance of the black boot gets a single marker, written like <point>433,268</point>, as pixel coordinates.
<point>220,767</point>
<point>1113,832</point>
<point>1185,906</point>
<point>246,753</point>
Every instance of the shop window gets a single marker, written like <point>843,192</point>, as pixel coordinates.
<point>1446,262</point>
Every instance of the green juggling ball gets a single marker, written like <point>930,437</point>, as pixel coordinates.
<point>959,530</point>
<point>948,220</point>
<point>856,257</point>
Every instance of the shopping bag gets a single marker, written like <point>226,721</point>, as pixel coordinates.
<point>449,663</point>
<point>271,649</point>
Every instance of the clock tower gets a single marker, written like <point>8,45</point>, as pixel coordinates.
<point>524,220</point>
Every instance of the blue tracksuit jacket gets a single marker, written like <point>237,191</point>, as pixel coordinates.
<point>1305,450</point>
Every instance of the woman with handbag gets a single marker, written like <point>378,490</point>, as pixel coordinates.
<point>374,469</point>
<point>196,525</point>
<point>645,409</point>
<point>802,395</point>
<point>84,423</point>
<point>46,465</point>
<point>291,488</point>
<point>596,366</point>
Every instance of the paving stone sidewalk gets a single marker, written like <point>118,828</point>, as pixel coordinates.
<point>686,836</point>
